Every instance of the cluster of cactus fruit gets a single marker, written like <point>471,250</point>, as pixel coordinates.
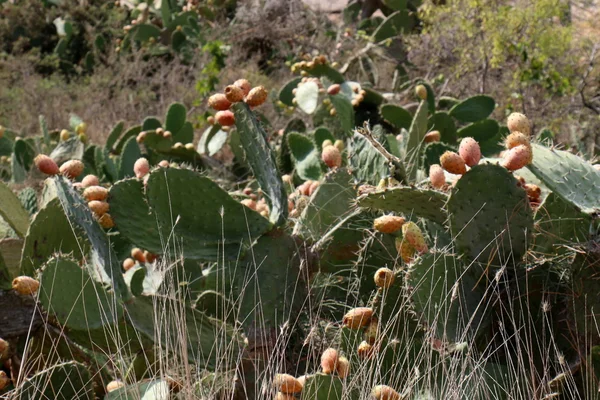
<point>431,244</point>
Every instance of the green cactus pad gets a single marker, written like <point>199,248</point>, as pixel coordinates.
<point>28,199</point>
<point>307,97</point>
<point>262,161</point>
<point>157,389</point>
<point>66,381</point>
<point>433,152</point>
<point>306,156</point>
<point>481,131</point>
<point>12,211</point>
<point>114,135</point>
<point>345,112</point>
<point>50,232</point>
<point>321,134</point>
<point>70,149</point>
<point>323,387</point>
<point>11,250</point>
<point>473,109</point>
<point>569,176</point>
<point>143,32</point>
<point>411,201</point>
<point>394,25</point>
<point>396,115</point>
<point>330,202</point>
<point>368,164</point>
<point>416,133</point>
<point>131,132</point>
<point>185,134</point>
<point>442,122</point>
<point>430,95</point>
<point>490,217</point>
<point>446,295</point>
<point>285,94</point>
<point>134,278</point>
<point>131,153</point>
<point>327,71</point>
<point>151,124</point>
<point>70,295</point>
<point>447,102</point>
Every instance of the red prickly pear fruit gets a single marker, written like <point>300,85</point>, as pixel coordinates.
<point>95,193</point>
<point>286,383</point>
<point>225,118</point>
<point>89,180</point>
<point>517,157</point>
<point>257,96</point>
<point>384,392</point>
<point>343,367</point>
<point>518,122</point>
<point>219,102</point>
<point>128,263</point>
<point>437,177</point>
<point>249,203</point>
<point>453,163</point>
<point>516,139</point>
<point>469,151</point>
<point>432,137</point>
<point>406,250</point>
<point>138,255</point>
<point>329,360</point>
<point>150,257</point>
<point>332,157</point>
<point>98,207</point>
<point>534,192</point>
<point>333,89</point>
<point>421,92</point>
<point>388,224</point>
<point>25,285</point>
<point>234,93</point>
<point>413,234</point>
<point>358,317</point>
<point>46,165</point>
<point>364,349</point>
<point>141,167</point>
<point>114,385</point>
<point>106,221</point>
<point>313,187</point>
<point>244,85</point>
<point>384,278</point>
<point>72,169</point>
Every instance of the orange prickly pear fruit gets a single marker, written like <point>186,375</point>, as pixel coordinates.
<point>364,349</point>
<point>225,118</point>
<point>219,102</point>
<point>517,157</point>
<point>71,169</point>
<point>384,277</point>
<point>372,331</point>
<point>98,207</point>
<point>141,167</point>
<point>244,85</point>
<point>114,385</point>
<point>90,180</point>
<point>333,89</point>
<point>343,367</point>
<point>469,151</point>
<point>234,93</point>
<point>432,137</point>
<point>358,317</point>
<point>25,285</point>
<point>257,96</point>
<point>533,191</point>
<point>388,224</point>
<point>331,156</point>
<point>329,360</point>
<point>138,254</point>
<point>95,193</point>
<point>436,176</point>
<point>453,163</point>
<point>413,234</point>
<point>384,392</point>
<point>405,249</point>
<point>516,139</point>
<point>286,383</point>
<point>46,165</point>
<point>106,221</point>
<point>128,263</point>
<point>518,122</point>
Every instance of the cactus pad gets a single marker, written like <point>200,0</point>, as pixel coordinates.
<point>442,122</point>
<point>12,211</point>
<point>156,389</point>
<point>285,94</point>
<point>306,156</point>
<point>396,115</point>
<point>368,164</point>
<point>473,109</point>
<point>307,97</point>
<point>416,133</point>
<point>322,387</point>
<point>66,381</point>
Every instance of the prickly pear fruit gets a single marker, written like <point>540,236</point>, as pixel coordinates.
<point>516,139</point>
<point>98,207</point>
<point>95,193</point>
<point>3,346</point>
<point>64,135</point>
<point>405,249</point>
<point>388,224</point>
<point>469,151</point>
<point>163,164</point>
<point>433,136</point>
<point>141,137</point>
<point>149,257</point>
<point>141,167</point>
<point>286,383</point>
<point>284,396</point>
<point>453,163</point>
<point>518,122</point>
<point>114,385</point>
<point>211,120</point>
<point>371,331</point>
<point>384,392</point>
<point>128,263</point>
<point>225,118</point>
<point>421,92</point>
<point>106,221</point>
<point>89,180</point>
<point>384,277</point>
<point>339,144</point>
<point>436,176</point>
<point>413,234</point>
<point>364,349</point>
<point>46,165</point>
<point>72,169</point>
<point>533,191</point>
<point>167,135</point>
<point>4,380</point>
<point>343,367</point>
<point>257,96</point>
<point>517,157</point>
<point>234,93</point>
<point>138,254</point>
<point>219,102</point>
<point>333,89</point>
<point>332,157</point>
<point>358,317</point>
<point>329,360</point>
<point>249,203</point>
<point>326,143</point>
<point>25,285</point>
<point>244,85</point>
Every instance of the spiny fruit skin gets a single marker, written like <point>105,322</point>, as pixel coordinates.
<point>72,169</point>
<point>332,157</point>
<point>244,85</point>
<point>517,157</point>
<point>46,165</point>
<point>114,385</point>
<point>286,383</point>
<point>90,180</point>
<point>95,193</point>
<point>384,277</point>
<point>219,102</point>
<point>234,93</point>
<point>25,285</point>
<point>432,137</point>
<point>470,151</point>
<point>365,349</point>
<point>516,139</point>
<point>384,392</point>
<point>138,254</point>
<point>128,263</point>
<point>257,96</point>
<point>388,223</point>
<point>333,89</point>
<point>225,118</point>
<point>141,167</point>
<point>518,122</point>
<point>436,176</point>
<point>358,317</point>
<point>106,221</point>
<point>98,207</point>
<point>421,92</point>
<point>413,234</point>
<point>343,367</point>
<point>329,360</point>
<point>453,163</point>
<point>406,250</point>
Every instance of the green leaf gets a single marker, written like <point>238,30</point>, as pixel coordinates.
<point>473,109</point>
